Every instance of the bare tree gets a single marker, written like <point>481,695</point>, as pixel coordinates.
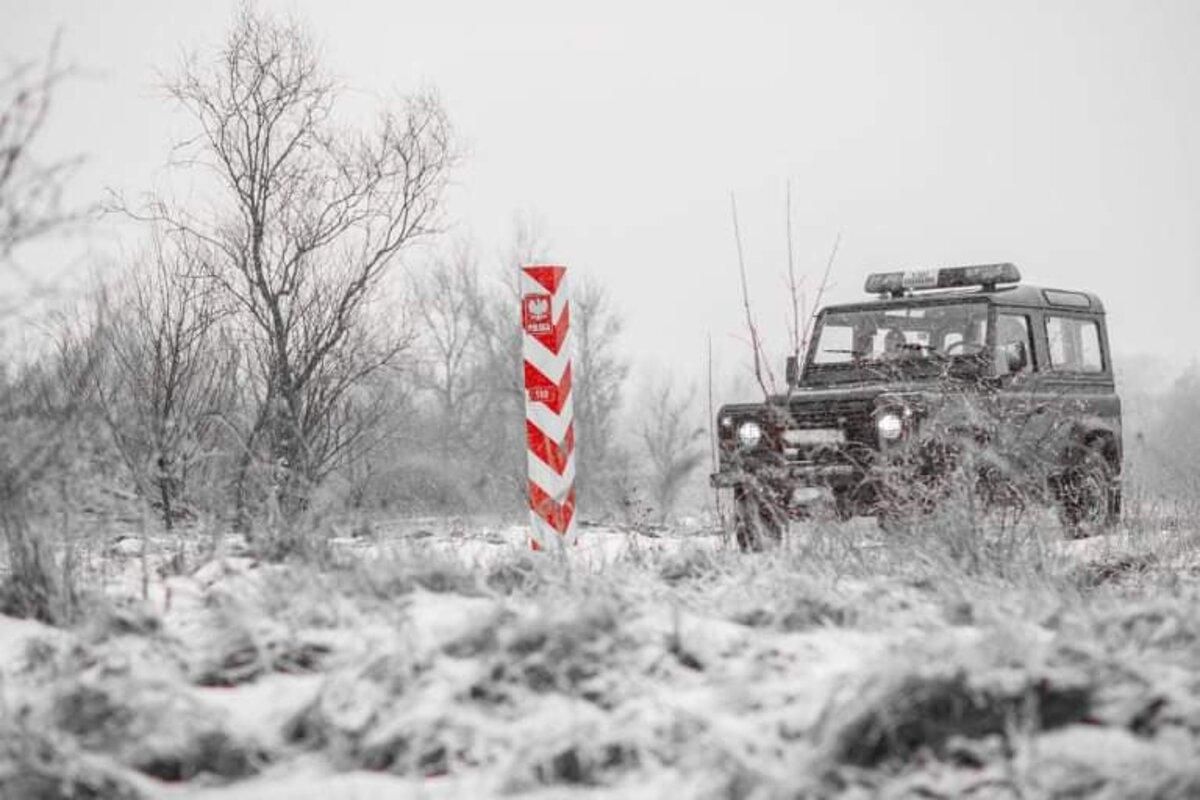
<point>809,313</point>
<point>601,372</point>
<point>305,222</point>
<point>500,357</point>
<point>30,188</point>
<point>39,402</point>
<point>473,334</point>
<point>502,339</point>
<point>673,441</point>
<point>167,381</point>
<point>763,375</point>
<point>448,300</point>
<point>598,373</point>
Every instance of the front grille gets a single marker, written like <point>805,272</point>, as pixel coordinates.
<point>834,414</point>
<point>851,416</point>
<point>855,417</point>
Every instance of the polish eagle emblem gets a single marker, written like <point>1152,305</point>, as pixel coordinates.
<point>535,314</point>
<point>538,307</point>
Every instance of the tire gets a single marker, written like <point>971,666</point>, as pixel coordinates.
<point>1089,495</point>
<point>893,520</point>
<point>899,506</point>
<point>845,505</point>
<point>758,523</point>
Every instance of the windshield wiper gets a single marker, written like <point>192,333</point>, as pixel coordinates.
<point>913,347</point>
<point>917,347</point>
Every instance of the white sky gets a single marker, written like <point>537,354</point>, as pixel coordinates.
<point>1058,135</point>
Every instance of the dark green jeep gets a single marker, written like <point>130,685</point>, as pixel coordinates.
<point>958,378</point>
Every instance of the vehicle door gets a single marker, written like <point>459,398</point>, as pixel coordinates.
<point>1077,386</point>
<point>1019,404</point>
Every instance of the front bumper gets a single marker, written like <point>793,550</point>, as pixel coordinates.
<point>832,475</point>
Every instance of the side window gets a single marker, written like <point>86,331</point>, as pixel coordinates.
<point>1013,341</point>
<point>1074,344</point>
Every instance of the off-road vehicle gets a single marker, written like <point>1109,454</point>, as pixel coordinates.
<point>959,378</point>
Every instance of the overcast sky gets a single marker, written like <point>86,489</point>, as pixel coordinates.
<point>1058,135</point>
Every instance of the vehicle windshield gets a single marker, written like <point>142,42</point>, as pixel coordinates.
<point>900,336</point>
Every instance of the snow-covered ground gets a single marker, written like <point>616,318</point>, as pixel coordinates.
<point>430,658</point>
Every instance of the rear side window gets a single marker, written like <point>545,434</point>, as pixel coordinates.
<point>1074,344</point>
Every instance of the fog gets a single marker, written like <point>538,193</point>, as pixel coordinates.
<point>1058,136</point>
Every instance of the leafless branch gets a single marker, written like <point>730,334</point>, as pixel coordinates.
<point>809,318</point>
<point>793,284</point>
<point>671,440</point>
<point>755,341</point>
<point>30,187</point>
<point>306,221</point>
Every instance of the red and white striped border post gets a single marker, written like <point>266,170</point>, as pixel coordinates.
<point>549,420</point>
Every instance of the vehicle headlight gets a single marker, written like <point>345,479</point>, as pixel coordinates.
<point>749,434</point>
<point>890,426</point>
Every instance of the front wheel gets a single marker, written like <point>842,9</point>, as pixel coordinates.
<point>1089,495</point>
<point>757,521</point>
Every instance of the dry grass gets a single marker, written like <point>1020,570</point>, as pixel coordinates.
<point>989,659</point>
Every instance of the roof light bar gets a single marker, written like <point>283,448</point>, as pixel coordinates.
<point>896,283</point>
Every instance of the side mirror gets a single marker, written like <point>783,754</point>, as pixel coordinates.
<point>792,371</point>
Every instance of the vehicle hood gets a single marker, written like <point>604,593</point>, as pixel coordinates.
<point>842,394</point>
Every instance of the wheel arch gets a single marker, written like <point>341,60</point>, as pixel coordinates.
<point>1106,441</point>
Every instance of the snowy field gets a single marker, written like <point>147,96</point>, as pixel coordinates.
<point>429,658</point>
